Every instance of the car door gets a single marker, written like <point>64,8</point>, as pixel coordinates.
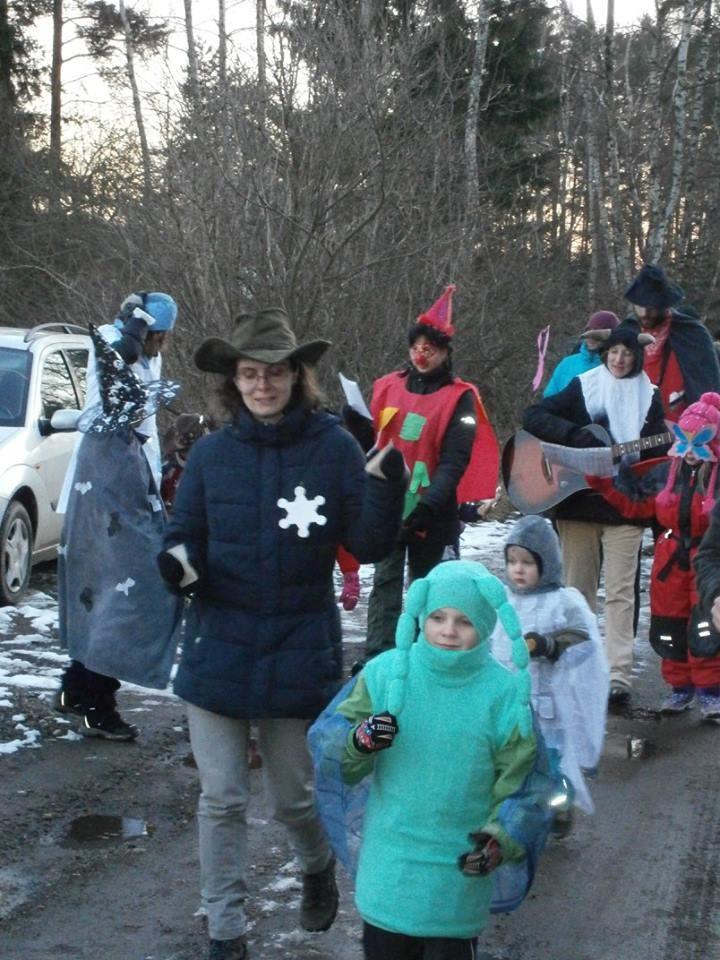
<point>49,455</point>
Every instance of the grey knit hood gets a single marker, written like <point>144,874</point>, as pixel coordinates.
<point>537,535</point>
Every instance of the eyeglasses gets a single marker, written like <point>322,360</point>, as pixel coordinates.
<point>424,350</point>
<point>250,377</point>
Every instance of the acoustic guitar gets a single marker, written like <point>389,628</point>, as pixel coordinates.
<point>534,484</point>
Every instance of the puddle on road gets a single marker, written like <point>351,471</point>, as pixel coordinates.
<point>97,830</point>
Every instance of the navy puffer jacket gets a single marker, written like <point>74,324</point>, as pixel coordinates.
<point>263,633</point>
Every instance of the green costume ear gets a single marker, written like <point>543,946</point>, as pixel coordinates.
<point>406,634</point>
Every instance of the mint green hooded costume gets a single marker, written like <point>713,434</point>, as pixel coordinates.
<point>465,744</point>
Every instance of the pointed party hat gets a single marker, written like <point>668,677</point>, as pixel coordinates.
<point>439,315</point>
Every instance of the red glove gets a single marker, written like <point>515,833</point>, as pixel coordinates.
<point>599,483</point>
<point>350,591</point>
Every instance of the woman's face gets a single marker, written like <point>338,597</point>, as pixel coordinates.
<point>620,360</point>
<point>426,356</point>
<point>265,387</point>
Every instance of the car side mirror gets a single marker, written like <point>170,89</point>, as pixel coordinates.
<point>62,421</point>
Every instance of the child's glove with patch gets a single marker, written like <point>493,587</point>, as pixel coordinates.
<point>350,591</point>
<point>541,646</point>
<point>483,859</point>
<point>387,464</point>
<point>176,570</point>
<point>375,733</point>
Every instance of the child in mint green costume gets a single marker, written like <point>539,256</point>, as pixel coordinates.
<point>447,732</point>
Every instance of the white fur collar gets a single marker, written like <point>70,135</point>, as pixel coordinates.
<point>625,402</point>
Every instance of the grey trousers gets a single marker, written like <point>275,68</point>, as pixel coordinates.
<point>220,746</point>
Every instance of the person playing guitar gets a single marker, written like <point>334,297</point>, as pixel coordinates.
<point>618,396</point>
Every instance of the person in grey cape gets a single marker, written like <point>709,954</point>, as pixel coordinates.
<point>116,618</point>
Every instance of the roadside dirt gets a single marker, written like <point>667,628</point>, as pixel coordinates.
<point>640,880</point>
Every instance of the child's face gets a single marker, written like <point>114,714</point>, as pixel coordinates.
<point>449,629</point>
<point>521,567</point>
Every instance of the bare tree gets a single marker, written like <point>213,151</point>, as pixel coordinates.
<point>56,101</point>
<point>137,102</point>
<point>191,52</point>
<point>662,218</point>
<point>472,117</point>
<point>222,43</point>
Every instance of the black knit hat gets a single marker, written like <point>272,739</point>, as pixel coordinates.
<point>632,338</point>
<point>651,288</point>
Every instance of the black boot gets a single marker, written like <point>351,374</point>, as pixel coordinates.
<point>103,720</point>
<point>69,702</point>
<point>235,949</point>
<point>319,903</point>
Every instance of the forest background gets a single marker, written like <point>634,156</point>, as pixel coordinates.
<point>366,154</point>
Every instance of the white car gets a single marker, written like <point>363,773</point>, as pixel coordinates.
<point>42,371</point>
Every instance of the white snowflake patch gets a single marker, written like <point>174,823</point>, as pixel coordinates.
<point>82,488</point>
<point>126,586</point>
<point>301,512</point>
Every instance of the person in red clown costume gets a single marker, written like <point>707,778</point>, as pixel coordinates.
<point>679,494</point>
<point>439,424</point>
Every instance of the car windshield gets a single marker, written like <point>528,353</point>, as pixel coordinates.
<point>14,380</point>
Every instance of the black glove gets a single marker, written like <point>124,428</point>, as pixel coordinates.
<point>136,327</point>
<point>483,858</point>
<point>172,572</point>
<point>375,733</point>
<point>359,426</point>
<point>540,646</point>
<point>386,464</point>
<point>416,523</point>
<point>582,437</point>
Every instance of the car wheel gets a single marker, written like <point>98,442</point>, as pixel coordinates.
<point>16,543</point>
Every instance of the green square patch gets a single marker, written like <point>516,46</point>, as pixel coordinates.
<point>412,426</point>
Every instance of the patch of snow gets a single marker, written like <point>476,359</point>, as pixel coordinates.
<point>29,740</point>
<point>32,682</point>
<point>283,884</point>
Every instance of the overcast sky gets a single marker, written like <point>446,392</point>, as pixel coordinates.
<point>83,93</point>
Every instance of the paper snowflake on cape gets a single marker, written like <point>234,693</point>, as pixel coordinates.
<point>301,512</point>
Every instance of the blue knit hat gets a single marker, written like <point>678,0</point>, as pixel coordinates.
<point>651,288</point>
<point>471,588</point>
<point>158,309</point>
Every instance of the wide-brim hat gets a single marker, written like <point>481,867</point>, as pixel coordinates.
<point>265,336</point>
<point>651,288</point>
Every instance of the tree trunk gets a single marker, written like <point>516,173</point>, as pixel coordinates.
<point>7,92</point>
<point>694,136</point>
<point>193,82</point>
<point>222,43</point>
<point>55,158</point>
<point>655,103</point>
<point>137,104</point>
<point>660,231</point>
<point>472,175</point>
<point>620,268</point>
<point>261,70</point>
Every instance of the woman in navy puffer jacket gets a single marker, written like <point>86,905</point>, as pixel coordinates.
<point>260,511</point>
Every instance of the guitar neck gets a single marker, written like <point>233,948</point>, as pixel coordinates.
<point>644,443</point>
